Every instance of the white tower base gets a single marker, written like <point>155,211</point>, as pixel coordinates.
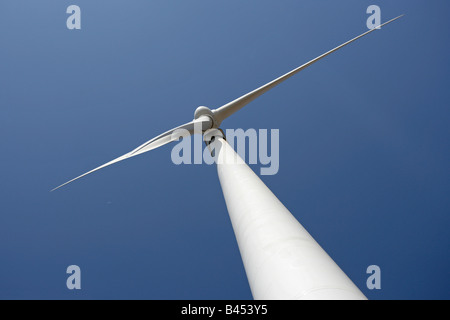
<point>281,259</point>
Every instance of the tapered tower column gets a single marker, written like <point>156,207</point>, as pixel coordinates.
<point>281,259</point>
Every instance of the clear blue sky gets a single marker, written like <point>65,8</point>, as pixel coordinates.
<point>364,153</point>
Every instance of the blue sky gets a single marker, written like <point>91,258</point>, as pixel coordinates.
<point>364,149</point>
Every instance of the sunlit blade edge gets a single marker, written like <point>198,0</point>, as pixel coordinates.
<point>228,109</point>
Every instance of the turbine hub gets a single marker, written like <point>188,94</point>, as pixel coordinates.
<point>205,111</point>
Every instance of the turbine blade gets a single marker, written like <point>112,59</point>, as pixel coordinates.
<point>125,156</point>
<point>203,123</point>
<point>228,109</point>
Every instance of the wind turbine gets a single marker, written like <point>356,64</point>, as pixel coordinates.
<point>281,259</point>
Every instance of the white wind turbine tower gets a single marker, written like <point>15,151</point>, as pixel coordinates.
<point>281,259</point>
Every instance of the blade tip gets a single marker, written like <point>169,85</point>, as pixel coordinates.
<point>55,189</point>
<point>400,16</point>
